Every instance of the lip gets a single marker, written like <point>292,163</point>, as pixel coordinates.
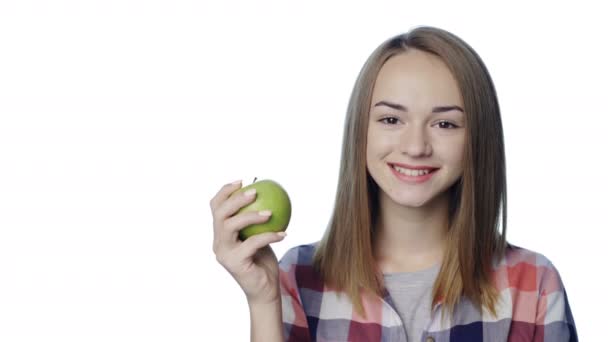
<point>413,167</point>
<point>413,179</point>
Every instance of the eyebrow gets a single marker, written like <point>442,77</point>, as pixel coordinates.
<point>439,109</point>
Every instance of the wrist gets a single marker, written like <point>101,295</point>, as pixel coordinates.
<point>266,321</point>
<point>263,304</point>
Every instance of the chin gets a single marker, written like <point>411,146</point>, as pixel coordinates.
<point>407,200</point>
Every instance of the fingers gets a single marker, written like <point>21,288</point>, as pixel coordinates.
<point>232,204</point>
<point>227,225</point>
<point>227,234</point>
<point>235,223</point>
<point>254,243</point>
<point>224,192</point>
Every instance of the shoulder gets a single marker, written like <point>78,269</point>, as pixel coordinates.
<point>297,269</point>
<point>528,270</point>
<point>296,275</point>
<point>532,292</point>
<point>532,289</point>
<point>301,255</point>
<point>516,254</point>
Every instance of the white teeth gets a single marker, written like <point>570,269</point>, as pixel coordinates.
<point>409,172</point>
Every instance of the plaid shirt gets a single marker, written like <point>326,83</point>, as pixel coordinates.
<point>533,307</point>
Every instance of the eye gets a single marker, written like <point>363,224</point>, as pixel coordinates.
<point>390,120</point>
<point>447,124</point>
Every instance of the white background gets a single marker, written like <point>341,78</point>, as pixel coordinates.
<point>120,119</point>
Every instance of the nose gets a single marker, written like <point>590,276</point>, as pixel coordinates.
<point>414,142</point>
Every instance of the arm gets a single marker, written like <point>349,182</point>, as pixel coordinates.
<point>266,322</point>
<point>554,320</point>
<point>294,319</point>
<point>252,263</point>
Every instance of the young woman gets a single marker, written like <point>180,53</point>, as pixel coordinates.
<point>416,248</point>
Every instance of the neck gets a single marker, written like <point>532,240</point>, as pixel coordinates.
<point>410,239</point>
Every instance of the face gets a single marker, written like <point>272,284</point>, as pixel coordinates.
<point>416,134</point>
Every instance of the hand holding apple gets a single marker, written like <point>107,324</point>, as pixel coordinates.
<point>251,262</point>
<point>271,196</point>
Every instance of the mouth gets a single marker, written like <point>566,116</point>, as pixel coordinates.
<point>409,170</point>
<point>415,174</point>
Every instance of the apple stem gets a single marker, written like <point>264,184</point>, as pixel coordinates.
<point>255,179</point>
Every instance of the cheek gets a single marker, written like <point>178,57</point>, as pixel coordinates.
<point>459,152</point>
<point>451,153</point>
<point>377,149</point>
<point>379,142</point>
<point>456,159</point>
<point>372,145</point>
<point>458,164</point>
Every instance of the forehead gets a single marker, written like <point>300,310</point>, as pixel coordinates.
<point>416,78</point>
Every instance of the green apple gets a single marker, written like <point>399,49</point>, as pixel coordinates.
<point>270,195</point>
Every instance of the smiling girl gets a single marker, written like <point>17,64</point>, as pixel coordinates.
<point>416,246</point>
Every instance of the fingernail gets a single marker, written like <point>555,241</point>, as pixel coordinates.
<point>236,182</point>
<point>250,192</point>
<point>282,234</point>
<point>265,213</point>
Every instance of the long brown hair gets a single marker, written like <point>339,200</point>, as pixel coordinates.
<point>478,201</point>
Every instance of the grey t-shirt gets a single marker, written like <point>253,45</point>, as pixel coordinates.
<point>411,292</point>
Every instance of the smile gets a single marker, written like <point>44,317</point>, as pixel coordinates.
<point>410,172</point>
<point>418,175</point>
